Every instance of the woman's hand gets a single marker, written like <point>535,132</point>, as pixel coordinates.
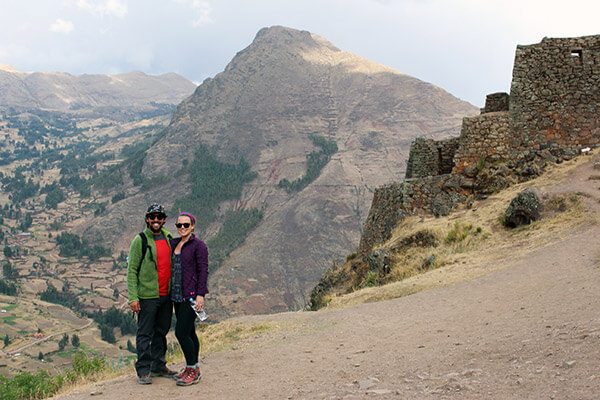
<point>199,302</point>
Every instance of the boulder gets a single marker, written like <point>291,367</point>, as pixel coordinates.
<point>523,209</point>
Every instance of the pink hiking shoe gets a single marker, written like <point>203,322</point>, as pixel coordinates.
<point>189,376</point>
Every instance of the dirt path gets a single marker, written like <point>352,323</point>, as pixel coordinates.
<point>528,331</point>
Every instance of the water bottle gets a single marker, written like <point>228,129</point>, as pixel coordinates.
<point>201,314</point>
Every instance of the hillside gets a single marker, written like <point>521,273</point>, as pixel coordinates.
<point>88,94</point>
<point>315,130</point>
<point>57,169</point>
<point>516,322</point>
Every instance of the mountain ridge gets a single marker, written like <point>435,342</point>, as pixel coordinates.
<point>61,91</point>
<point>286,85</point>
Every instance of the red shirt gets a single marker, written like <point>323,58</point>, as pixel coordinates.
<point>163,265</point>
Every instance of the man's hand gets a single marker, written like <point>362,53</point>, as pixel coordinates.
<point>135,306</point>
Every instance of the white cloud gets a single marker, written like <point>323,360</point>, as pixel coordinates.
<point>62,26</point>
<point>202,10</point>
<point>117,8</point>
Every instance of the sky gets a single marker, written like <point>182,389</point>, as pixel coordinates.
<point>463,46</point>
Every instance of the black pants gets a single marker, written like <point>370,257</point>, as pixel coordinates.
<point>185,331</point>
<point>154,321</point>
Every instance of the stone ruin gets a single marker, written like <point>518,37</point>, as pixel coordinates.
<point>552,112</point>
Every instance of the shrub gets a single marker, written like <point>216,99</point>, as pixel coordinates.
<point>458,233</point>
<point>371,279</point>
<point>85,365</point>
<point>25,385</point>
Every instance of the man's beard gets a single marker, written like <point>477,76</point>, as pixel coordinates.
<point>153,229</point>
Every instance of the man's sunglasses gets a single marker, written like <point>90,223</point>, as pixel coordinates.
<point>153,217</point>
<point>183,225</point>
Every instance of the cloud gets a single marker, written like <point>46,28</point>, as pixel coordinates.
<point>202,10</point>
<point>116,8</point>
<point>62,26</point>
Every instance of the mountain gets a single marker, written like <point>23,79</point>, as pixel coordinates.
<point>275,108</point>
<point>59,91</point>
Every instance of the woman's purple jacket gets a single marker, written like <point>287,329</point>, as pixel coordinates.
<point>194,266</point>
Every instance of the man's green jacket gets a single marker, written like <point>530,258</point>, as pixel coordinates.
<point>142,281</point>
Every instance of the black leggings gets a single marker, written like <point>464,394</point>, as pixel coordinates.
<point>185,331</point>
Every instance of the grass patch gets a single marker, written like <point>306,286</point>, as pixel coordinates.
<point>40,385</point>
<point>9,320</point>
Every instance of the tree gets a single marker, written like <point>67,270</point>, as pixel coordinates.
<point>107,334</point>
<point>63,342</point>
<point>41,356</point>
<point>75,341</point>
<point>8,271</point>
<point>8,252</point>
<point>6,340</point>
<point>131,347</point>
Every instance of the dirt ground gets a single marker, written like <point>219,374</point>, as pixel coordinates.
<point>529,330</point>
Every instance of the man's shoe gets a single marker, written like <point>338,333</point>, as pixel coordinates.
<point>145,379</point>
<point>189,377</point>
<point>164,372</point>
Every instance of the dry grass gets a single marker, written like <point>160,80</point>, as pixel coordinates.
<point>228,334</point>
<point>473,242</point>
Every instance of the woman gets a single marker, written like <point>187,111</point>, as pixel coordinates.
<point>188,288</point>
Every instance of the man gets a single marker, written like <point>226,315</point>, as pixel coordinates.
<point>148,276</point>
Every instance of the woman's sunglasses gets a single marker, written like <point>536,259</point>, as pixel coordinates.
<point>184,225</point>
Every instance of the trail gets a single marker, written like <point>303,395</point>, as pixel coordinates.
<point>529,330</point>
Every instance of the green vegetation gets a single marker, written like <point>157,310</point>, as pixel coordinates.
<point>371,279</point>
<point>75,342</point>
<point>62,343</point>
<point>315,162</point>
<point>54,195</point>
<point>117,197</point>
<point>8,288</point>
<point>107,334</point>
<point>64,297</point>
<point>71,245</point>
<point>232,234</point>
<point>212,183</point>
<point>26,222</point>
<point>19,187</point>
<point>130,347</point>
<point>26,385</point>
<point>113,318</point>
<point>459,232</point>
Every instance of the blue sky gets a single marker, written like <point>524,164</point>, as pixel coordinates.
<point>464,46</point>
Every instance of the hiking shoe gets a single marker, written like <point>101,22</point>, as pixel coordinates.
<point>145,379</point>
<point>164,372</point>
<point>189,377</point>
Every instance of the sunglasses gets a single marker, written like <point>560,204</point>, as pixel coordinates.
<point>183,225</point>
<point>153,217</point>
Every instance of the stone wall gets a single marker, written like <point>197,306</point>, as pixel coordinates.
<point>496,102</point>
<point>429,157</point>
<point>483,139</point>
<point>552,112</point>
<point>555,93</point>
<point>437,195</point>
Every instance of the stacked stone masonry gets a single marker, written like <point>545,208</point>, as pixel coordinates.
<point>496,102</point>
<point>436,195</point>
<point>484,139</point>
<point>555,93</point>
<point>429,157</point>
<point>553,108</point>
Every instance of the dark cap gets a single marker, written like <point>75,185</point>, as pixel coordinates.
<point>156,208</point>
